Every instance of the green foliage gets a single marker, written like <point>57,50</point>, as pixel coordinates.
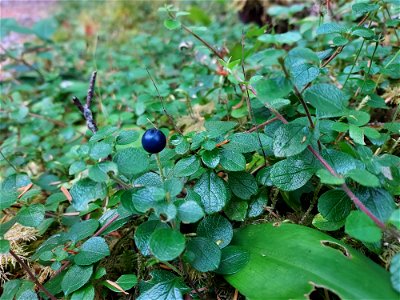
<point>261,126</point>
<point>281,252</point>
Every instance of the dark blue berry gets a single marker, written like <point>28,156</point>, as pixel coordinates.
<point>153,140</point>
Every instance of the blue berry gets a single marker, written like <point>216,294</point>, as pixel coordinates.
<point>153,140</point>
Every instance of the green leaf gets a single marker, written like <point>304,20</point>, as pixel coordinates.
<point>395,218</point>
<point>362,32</point>
<point>243,143</point>
<point>236,210</point>
<point>268,90</point>
<point>360,226</point>
<point>232,161</point>
<point>357,134</point>
<point>327,178</point>
<point>233,258</point>
<point>357,117</point>
<point>203,254</point>
<point>363,177</point>
<point>378,201</point>
<point>302,64</point>
<point>325,225</point>
<point>257,205</point>
<point>327,98</point>
<point>362,8</point>
<point>127,137</point>
<point>242,184</point>
<point>4,246</point>
<point>143,234</point>
<point>280,252</point>
<point>331,28</point>
<point>28,295</point>
<point>216,228</point>
<point>340,161</point>
<point>126,282</point>
<point>219,128</point>
<point>334,205</point>
<point>291,174</point>
<point>31,215</point>
<point>190,212</point>
<point>99,172</point>
<point>75,278</point>
<point>172,24</point>
<point>100,150</point>
<point>82,230</point>
<point>77,167</point>
<point>86,293</point>
<point>395,272</point>
<point>187,166</point>
<point>211,158</point>
<point>91,251</point>
<point>147,198</point>
<point>131,161</point>
<point>212,191</point>
<point>85,191</point>
<point>291,139</point>
<point>289,37</point>
<point>167,244</point>
<point>163,286</point>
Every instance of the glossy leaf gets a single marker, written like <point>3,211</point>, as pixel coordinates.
<point>203,254</point>
<point>212,191</point>
<point>291,139</point>
<point>360,226</point>
<point>216,228</point>
<point>279,253</point>
<point>166,244</point>
<point>242,184</point>
<point>334,205</point>
<point>91,251</point>
<point>70,283</point>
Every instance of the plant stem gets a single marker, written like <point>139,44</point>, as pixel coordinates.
<point>298,94</point>
<point>160,167</point>
<point>354,63</point>
<point>11,165</point>
<point>33,278</point>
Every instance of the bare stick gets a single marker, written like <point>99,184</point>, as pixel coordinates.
<point>85,109</point>
<point>33,278</point>
<point>90,92</point>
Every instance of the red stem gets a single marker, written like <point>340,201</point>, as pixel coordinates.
<point>33,278</point>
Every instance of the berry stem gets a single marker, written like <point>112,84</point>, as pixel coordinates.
<point>160,167</point>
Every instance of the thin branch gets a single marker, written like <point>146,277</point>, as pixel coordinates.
<point>9,162</point>
<point>340,49</point>
<point>106,225</point>
<point>298,94</point>
<point>205,43</point>
<point>24,62</point>
<point>33,278</point>
<point>262,125</point>
<point>162,103</point>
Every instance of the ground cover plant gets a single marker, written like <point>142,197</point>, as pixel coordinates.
<point>173,152</point>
